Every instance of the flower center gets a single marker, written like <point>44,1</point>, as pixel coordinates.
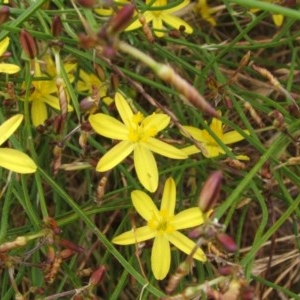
<point>161,222</point>
<point>139,131</point>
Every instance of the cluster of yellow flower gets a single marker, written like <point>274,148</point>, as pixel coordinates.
<point>136,133</point>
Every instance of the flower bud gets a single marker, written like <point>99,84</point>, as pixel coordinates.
<point>56,26</point>
<point>87,104</point>
<point>28,44</point>
<point>97,275</point>
<point>71,246</point>
<point>86,3</point>
<point>4,14</point>
<point>226,241</point>
<point>122,19</point>
<point>210,191</point>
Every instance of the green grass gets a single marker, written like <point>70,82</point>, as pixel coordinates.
<point>259,202</point>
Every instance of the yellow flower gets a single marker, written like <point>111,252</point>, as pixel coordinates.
<point>89,82</point>
<point>209,143</point>
<point>137,135</point>
<point>43,93</point>
<point>7,68</point>
<point>51,69</point>
<point>207,12</point>
<point>159,15</point>
<point>163,226</point>
<point>11,159</point>
<point>277,18</point>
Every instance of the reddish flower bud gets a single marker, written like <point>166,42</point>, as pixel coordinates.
<point>225,270</point>
<point>122,19</point>
<point>97,275</point>
<point>210,191</point>
<point>227,242</point>
<point>4,14</point>
<point>87,104</point>
<point>86,3</point>
<point>66,253</point>
<point>56,26</point>
<point>71,246</point>
<point>28,44</point>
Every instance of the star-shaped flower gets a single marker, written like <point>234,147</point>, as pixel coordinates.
<point>43,93</point>
<point>158,15</point>
<point>11,159</point>
<point>90,82</point>
<point>163,225</point>
<point>137,135</point>
<point>211,146</point>
<point>7,68</point>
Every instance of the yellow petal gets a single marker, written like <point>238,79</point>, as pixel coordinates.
<point>143,205</point>
<point>243,157</point>
<point>16,161</point>
<point>278,19</point>
<point>9,127</point>
<point>188,218</point>
<point>196,133</point>
<point>108,126</point>
<point>191,150</point>
<point>146,168</point>
<point>213,150</point>
<point>148,15</point>
<point>216,127</point>
<point>183,4</point>
<point>232,137</point>
<point>160,257</point>
<point>157,121</point>
<point>38,112</point>
<point>54,102</point>
<point>164,149</point>
<point>114,156</point>
<point>157,26</point>
<point>186,245</point>
<point>134,236</point>
<point>176,23</point>
<point>4,45</point>
<point>9,68</point>
<point>169,197</point>
<point>104,11</point>
<point>124,109</point>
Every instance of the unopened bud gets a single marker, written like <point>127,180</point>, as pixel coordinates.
<point>97,275</point>
<point>122,19</point>
<point>4,14</point>
<point>87,104</point>
<point>71,246</point>
<point>210,191</point>
<point>56,26</point>
<point>28,44</point>
<point>86,3</point>
<point>225,270</point>
<point>226,242</point>
<point>189,93</point>
<point>66,253</point>
<point>86,41</point>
